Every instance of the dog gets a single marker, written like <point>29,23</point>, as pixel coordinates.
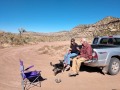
<point>58,68</point>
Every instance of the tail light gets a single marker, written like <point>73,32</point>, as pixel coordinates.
<point>95,56</point>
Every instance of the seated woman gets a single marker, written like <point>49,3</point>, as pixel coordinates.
<point>73,52</point>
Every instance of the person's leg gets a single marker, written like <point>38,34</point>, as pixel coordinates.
<point>67,61</point>
<point>74,65</point>
<point>71,55</point>
<point>66,58</point>
<point>79,61</point>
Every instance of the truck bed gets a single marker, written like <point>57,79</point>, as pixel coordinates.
<point>102,46</point>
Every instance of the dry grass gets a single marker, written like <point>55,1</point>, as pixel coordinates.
<point>12,39</point>
<point>44,50</point>
<point>16,39</point>
<point>53,50</point>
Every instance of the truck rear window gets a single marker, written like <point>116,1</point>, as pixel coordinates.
<point>117,41</point>
<point>113,41</point>
<point>104,41</point>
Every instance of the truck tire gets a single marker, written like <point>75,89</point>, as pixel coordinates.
<point>114,66</point>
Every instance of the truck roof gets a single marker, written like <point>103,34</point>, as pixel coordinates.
<point>114,36</point>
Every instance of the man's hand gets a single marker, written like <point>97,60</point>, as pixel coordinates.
<point>78,48</point>
<point>78,57</point>
<point>69,51</point>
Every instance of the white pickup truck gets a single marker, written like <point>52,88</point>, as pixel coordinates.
<point>106,54</point>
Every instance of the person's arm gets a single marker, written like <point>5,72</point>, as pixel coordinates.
<point>82,53</point>
<point>80,50</point>
<point>69,50</point>
<point>77,46</point>
<point>78,56</point>
<point>89,52</point>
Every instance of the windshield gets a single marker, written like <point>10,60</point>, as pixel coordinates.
<point>95,41</point>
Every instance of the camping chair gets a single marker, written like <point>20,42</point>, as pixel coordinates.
<point>30,78</point>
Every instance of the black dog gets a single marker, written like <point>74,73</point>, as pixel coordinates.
<point>58,68</point>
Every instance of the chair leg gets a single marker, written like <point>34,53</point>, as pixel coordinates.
<point>22,83</point>
<point>26,85</point>
<point>40,83</point>
<point>29,86</point>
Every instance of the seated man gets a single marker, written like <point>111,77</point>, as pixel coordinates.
<point>85,54</point>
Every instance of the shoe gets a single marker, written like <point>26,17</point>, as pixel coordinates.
<point>77,73</point>
<point>73,74</point>
<point>67,68</point>
<point>65,65</point>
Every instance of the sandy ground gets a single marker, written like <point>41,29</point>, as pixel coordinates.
<point>10,79</point>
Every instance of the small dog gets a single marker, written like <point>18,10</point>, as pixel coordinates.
<point>58,68</point>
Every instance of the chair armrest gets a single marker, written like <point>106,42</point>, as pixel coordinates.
<point>29,67</point>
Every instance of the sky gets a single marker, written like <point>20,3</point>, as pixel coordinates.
<point>54,15</point>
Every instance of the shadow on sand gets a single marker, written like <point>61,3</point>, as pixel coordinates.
<point>90,69</point>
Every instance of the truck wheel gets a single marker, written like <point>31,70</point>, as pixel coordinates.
<point>114,66</point>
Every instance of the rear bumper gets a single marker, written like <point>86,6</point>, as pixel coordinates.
<point>95,63</point>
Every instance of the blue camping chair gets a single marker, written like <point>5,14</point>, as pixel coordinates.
<point>30,78</point>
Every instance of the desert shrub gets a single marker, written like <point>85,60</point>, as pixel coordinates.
<point>13,39</point>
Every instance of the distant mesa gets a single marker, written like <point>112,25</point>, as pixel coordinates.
<point>107,26</point>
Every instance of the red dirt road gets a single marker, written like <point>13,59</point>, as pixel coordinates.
<point>10,79</point>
